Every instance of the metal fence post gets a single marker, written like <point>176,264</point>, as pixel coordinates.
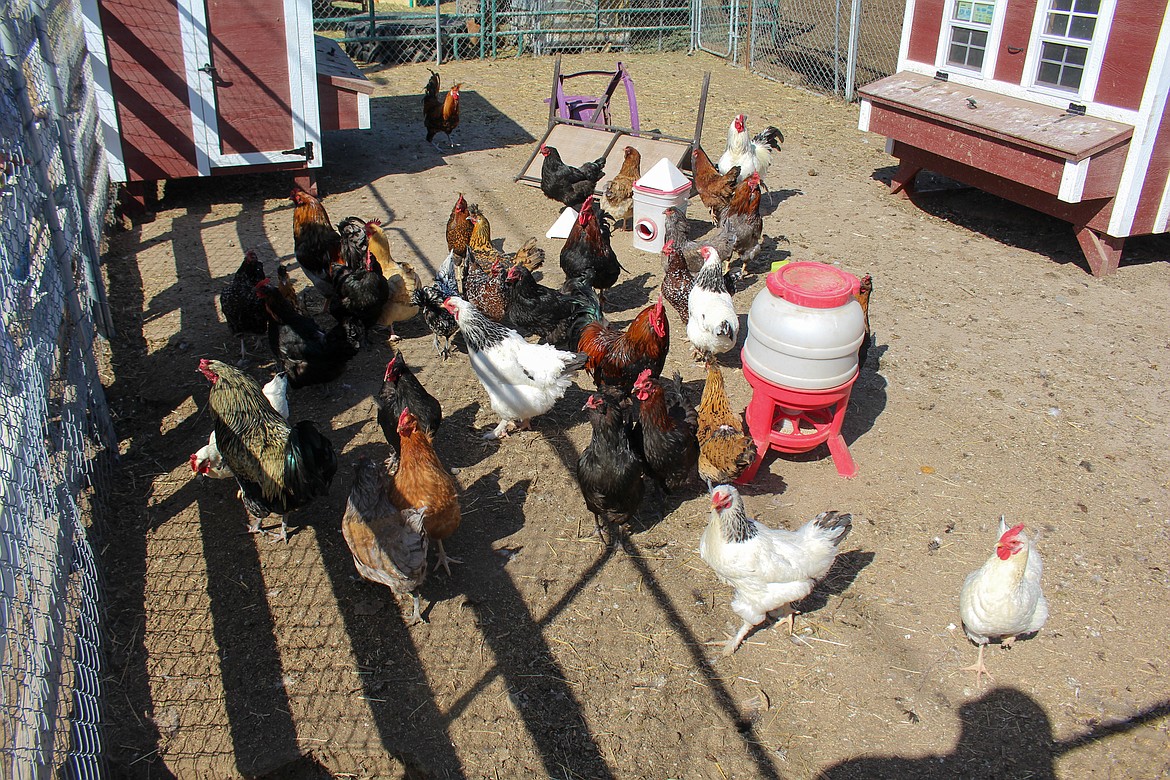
<point>851,61</point>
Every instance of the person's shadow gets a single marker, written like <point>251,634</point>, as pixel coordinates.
<point>1005,734</point>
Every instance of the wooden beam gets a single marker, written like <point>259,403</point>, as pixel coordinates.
<point>1103,252</point>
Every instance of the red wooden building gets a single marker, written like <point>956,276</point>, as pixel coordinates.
<point>206,87</point>
<point>1059,105</point>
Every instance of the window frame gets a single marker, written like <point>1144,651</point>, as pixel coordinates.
<point>994,33</point>
<point>1094,56</point>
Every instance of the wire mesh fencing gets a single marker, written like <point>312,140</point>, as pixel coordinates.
<point>54,423</point>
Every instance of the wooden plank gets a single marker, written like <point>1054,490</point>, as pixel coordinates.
<point>1044,129</point>
<point>1154,182</point>
<point>1129,54</point>
<point>1013,46</point>
<point>924,31</point>
<point>335,67</point>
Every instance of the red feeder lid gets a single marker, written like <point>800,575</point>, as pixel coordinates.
<point>816,285</point>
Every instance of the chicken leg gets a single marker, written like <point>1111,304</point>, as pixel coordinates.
<point>978,667</point>
<point>732,643</point>
<point>444,560</point>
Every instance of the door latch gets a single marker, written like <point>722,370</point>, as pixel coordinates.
<point>210,70</point>
<point>305,151</point>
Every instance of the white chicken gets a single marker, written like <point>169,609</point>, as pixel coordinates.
<point>768,567</point>
<point>522,380</point>
<point>752,155</point>
<point>207,461</point>
<point>1002,599</point>
<point>712,324</point>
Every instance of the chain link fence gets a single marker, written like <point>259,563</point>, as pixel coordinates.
<point>55,428</point>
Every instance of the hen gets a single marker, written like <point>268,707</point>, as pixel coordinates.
<point>528,255</point>
<point>616,357</point>
<point>1002,599</point>
<point>354,242</point>
<point>207,460</point>
<point>402,390</point>
<point>768,567</point>
<point>725,451</point>
<point>609,472</point>
<point>241,308</point>
<point>430,299</point>
<point>741,228</point>
<point>675,231</point>
<point>714,188</point>
<point>666,425</point>
<point>712,324</point>
<point>484,289</point>
<point>618,198</point>
<point>440,116</point>
<point>316,243</point>
<point>458,228</point>
<point>522,380</point>
<point>389,547</point>
<point>751,154</point>
<point>565,183</point>
<point>285,284</point>
<point>359,295</point>
<point>306,353</point>
<point>587,253</point>
<point>423,481</point>
<point>401,278</point>
<point>278,468</point>
<point>550,314</point>
<point>677,280</point>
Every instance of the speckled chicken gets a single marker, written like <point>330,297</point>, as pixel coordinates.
<point>528,255</point>
<point>618,198</point>
<point>458,228</point>
<point>677,279</point>
<point>485,288</point>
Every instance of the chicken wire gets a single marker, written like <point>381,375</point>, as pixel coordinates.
<point>54,423</point>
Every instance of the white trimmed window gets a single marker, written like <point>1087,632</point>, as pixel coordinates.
<point>1066,37</point>
<point>970,27</point>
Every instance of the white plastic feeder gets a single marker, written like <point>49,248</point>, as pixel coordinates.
<point>663,186</point>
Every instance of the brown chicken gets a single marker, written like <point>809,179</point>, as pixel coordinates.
<point>389,547</point>
<point>485,288</point>
<point>863,298</point>
<point>316,242</point>
<point>458,228</point>
<point>402,279</point>
<point>741,225</point>
<point>725,451</point>
<point>618,198</point>
<point>529,255</point>
<point>440,116</point>
<point>715,189</point>
<point>423,481</point>
<point>284,283</point>
<point>616,358</point>
<point>677,279</point>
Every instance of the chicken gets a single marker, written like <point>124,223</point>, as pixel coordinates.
<point>587,253</point>
<point>751,154</point>
<point>306,353</point>
<point>423,481</point>
<point>355,243</point>
<point>360,295</point>
<point>430,299</point>
<point>208,462</point>
<point>675,231</point>
<point>241,308</point>
<point>768,567</point>
<point>1002,599</point>
<point>278,468</point>
<point>402,390</point>
<point>618,198</point>
<point>616,358</point>
<point>677,280</point>
<point>862,297</point>
<point>316,243</point>
<point>609,472</point>
<point>389,547</point>
<point>564,183</point>
<point>528,255</point>
<point>401,277</point>
<point>725,451</point>
<point>667,425</point>
<point>522,380</point>
<point>484,289</point>
<point>458,228</point>
<point>741,228</point>
<point>440,116</point>
<point>714,188</point>
<point>285,284</point>
<point>534,308</point>
<point>713,325</point>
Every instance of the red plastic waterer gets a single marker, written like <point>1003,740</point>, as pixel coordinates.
<point>800,357</point>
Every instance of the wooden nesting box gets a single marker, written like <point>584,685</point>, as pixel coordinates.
<point>206,87</point>
<point>1059,105</point>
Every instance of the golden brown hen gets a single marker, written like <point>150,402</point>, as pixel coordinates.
<point>402,279</point>
<point>529,255</point>
<point>863,298</point>
<point>715,189</point>
<point>725,451</point>
<point>458,228</point>
<point>618,198</point>
<point>440,116</point>
<point>423,481</point>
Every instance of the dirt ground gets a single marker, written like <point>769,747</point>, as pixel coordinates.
<point>1004,380</point>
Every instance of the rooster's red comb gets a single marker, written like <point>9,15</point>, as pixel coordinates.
<point>1011,533</point>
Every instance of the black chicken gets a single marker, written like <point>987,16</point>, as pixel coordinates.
<point>402,390</point>
<point>587,252</point>
<point>430,299</point>
<point>666,431</point>
<point>355,243</point>
<point>359,295</point>
<point>609,472</point>
<point>565,183</point>
<point>534,308</point>
<point>244,312</point>
<point>304,351</point>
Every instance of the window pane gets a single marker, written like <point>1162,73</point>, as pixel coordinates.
<point>979,38</point>
<point>1049,73</point>
<point>983,13</point>
<point>1082,28</point>
<point>1057,24</point>
<point>1075,55</point>
<point>1061,5</point>
<point>963,11</point>
<point>1088,7</point>
<point>1071,77</point>
<point>975,58</point>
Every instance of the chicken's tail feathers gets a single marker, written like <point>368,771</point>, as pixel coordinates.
<point>530,255</point>
<point>432,89</point>
<point>309,462</point>
<point>576,363</point>
<point>835,525</point>
<point>769,136</point>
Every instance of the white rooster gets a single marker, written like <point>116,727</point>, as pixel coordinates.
<point>750,154</point>
<point>1002,599</point>
<point>522,379</point>
<point>768,567</point>
<point>712,324</point>
<point>207,461</point>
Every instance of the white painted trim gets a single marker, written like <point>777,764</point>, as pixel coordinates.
<point>1099,110</point>
<point>1092,73</point>
<point>1162,220</point>
<point>1145,132</point>
<point>107,107</point>
<point>907,26</point>
<point>1072,181</point>
<point>302,74</point>
<point>863,115</point>
<point>994,33</point>
<point>363,109</point>
<point>1097,53</point>
<point>200,91</point>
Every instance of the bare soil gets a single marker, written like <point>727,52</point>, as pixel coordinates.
<point>1005,380</point>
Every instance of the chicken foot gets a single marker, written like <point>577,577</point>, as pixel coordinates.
<point>254,528</point>
<point>506,427</point>
<point>416,613</point>
<point>732,643</point>
<point>978,666</point>
<point>444,560</point>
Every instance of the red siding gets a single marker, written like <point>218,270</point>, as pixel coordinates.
<point>146,69</point>
<point>1129,52</point>
<point>1013,46</point>
<point>1155,181</point>
<point>339,107</point>
<point>250,54</point>
<point>924,31</point>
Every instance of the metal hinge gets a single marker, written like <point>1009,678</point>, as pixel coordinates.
<point>941,75</point>
<point>1076,108</point>
<point>305,151</point>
